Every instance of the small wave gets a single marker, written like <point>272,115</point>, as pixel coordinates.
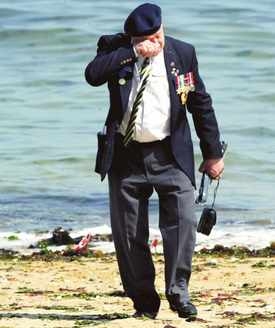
<point>33,33</point>
<point>225,11</point>
<point>261,222</point>
<point>60,18</point>
<point>234,158</point>
<point>26,126</point>
<point>267,98</point>
<point>247,222</point>
<point>233,209</point>
<point>45,83</point>
<point>260,131</point>
<point>95,199</point>
<point>71,159</point>
<point>254,54</point>
<point>7,12</point>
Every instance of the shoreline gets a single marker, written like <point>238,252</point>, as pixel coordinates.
<point>60,239</point>
<point>55,252</point>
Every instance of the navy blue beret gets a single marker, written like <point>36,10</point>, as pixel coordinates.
<point>144,20</point>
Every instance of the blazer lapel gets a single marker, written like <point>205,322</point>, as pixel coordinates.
<point>171,62</point>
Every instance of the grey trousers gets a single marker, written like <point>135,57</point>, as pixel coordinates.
<point>136,172</point>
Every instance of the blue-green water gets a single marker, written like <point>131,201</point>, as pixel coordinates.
<point>49,115</point>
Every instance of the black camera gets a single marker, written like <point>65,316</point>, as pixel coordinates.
<point>207,221</point>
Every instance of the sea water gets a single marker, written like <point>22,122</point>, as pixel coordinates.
<point>49,115</point>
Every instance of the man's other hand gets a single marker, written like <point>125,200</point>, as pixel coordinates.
<point>213,167</point>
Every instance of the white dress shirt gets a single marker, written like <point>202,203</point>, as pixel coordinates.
<point>153,117</point>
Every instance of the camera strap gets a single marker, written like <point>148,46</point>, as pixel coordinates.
<point>215,193</point>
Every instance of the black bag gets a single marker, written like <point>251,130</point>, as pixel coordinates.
<point>101,141</point>
<point>105,149</point>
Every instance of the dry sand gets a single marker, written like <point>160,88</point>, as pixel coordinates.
<point>86,292</point>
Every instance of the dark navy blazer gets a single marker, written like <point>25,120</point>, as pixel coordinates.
<point>115,60</point>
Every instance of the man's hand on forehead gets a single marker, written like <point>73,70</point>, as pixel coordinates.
<point>147,48</point>
<point>150,45</point>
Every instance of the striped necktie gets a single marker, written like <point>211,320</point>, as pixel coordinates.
<point>144,75</point>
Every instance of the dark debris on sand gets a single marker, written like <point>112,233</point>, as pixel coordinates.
<point>238,251</point>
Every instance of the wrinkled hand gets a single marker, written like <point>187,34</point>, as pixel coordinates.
<point>213,167</point>
<point>147,48</point>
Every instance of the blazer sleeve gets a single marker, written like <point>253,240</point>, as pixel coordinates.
<point>113,53</point>
<point>199,104</point>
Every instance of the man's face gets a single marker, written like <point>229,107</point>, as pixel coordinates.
<point>157,38</point>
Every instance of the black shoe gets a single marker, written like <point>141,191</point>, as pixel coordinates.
<point>146,304</point>
<point>187,310</point>
<point>142,314</point>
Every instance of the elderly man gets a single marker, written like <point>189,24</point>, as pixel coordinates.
<point>153,81</point>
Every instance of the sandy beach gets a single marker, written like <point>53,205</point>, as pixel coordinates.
<point>229,290</point>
